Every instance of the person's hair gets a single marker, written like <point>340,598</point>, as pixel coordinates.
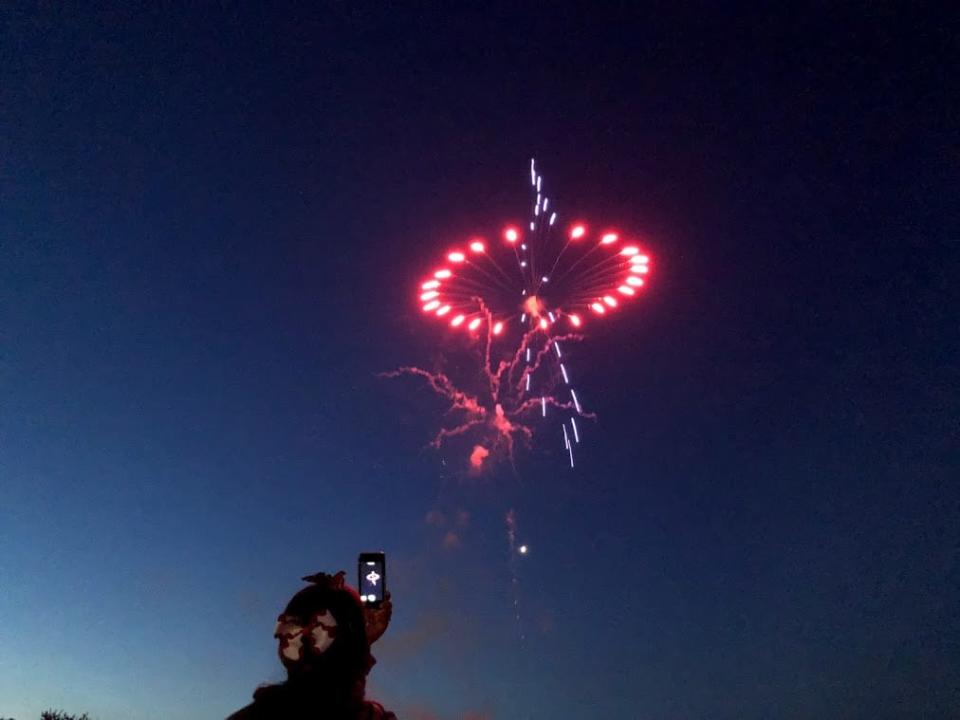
<point>350,648</point>
<point>336,679</point>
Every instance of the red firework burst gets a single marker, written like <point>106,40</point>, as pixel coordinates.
<point>520,298</point>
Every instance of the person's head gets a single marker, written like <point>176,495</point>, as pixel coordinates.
<point>321,633</point>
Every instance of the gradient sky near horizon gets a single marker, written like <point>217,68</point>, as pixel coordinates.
<point>211,219</point>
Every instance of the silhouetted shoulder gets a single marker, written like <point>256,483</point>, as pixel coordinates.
<point>374,711</point>
<point>247,713</point>
<point>269,704</point>
<point>266,702</point>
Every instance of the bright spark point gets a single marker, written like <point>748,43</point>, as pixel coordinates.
<point>543,404</point>
<point>576,435</point>
<point>443,311</point>
<point>442,274</point>
<point>429,295</point>
<point>543,323</point>
<point>457,257</point>
<point>430,285</point>
<point>577,232</point>
<point>474,324</point>
<point>609,301</point>
<point>457,320</point>
<point>477,246</point>
<point>597,308</point>
<point>629,251</point>
<point>432,305</point>
<point>511,234</point>
<point>625,290</point>
<point>635,281</point>
<point>523,549</point>
<point>608,239</point>
<point>575,320</point>
<point>498,328</point>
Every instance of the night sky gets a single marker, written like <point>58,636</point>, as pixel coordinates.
<point>211,224</point>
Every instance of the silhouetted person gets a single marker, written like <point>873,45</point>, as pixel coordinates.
<point>324,639</point>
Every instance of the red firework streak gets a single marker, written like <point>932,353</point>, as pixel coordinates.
<point>519,298</point>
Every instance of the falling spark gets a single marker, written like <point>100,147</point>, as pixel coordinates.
<point>576,403</point>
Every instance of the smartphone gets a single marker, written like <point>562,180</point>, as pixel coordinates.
<point>372,577</point>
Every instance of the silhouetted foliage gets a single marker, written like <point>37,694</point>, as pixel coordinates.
<point>60,715</point>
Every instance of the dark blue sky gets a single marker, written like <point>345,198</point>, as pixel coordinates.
<point>210,223</point>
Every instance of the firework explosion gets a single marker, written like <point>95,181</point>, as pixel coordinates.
<point>518,301</point>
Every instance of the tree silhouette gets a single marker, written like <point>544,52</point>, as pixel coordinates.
<point>57,715</point>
